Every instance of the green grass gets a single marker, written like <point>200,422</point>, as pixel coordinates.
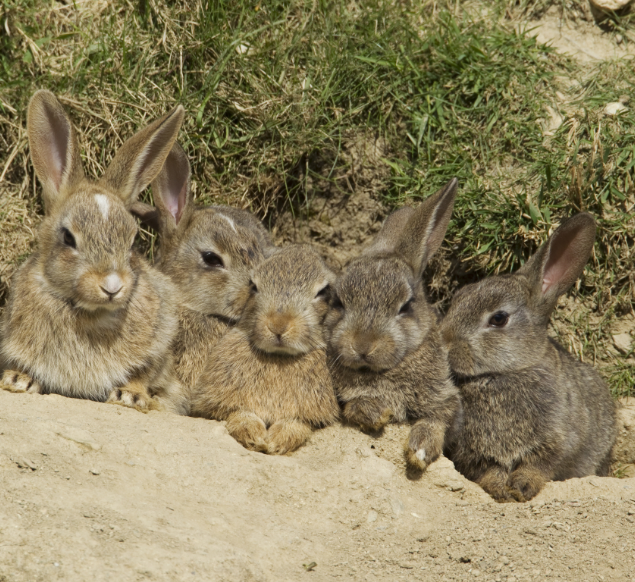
<point>274,91</point>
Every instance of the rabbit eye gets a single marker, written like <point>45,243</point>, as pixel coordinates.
<point>336,302</point>
<point>252,287</point>
<point>499,319</point>
<point>406,308</point>
<point>212,259</point>
<point>324,292</point>
<point>69,239</point>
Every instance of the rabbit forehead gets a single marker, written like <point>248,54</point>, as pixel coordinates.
<point>97,216</point>
<point>473,302</point>
<point>211,231</point>
<point>292,268</point>
<point>372,283</point>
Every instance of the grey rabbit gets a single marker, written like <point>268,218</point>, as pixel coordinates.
<point>531,412</point>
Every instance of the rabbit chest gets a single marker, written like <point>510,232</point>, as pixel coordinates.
<point>418,383</point>
<point>506,417</point>
<point>78,353</point>
<point>274,387</point>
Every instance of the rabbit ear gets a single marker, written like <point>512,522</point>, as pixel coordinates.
<point>560,261</point>
<point>54,148</point>
<point>141,158</point>
<point>171,189</point>
<point>421,236</point>
<point>388,237</point>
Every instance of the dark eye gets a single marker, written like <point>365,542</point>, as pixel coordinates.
<point>211,259</point>
<point>69,239</point>
<point>406,308</point>
<point>324,292</point>
<point>252,287</point>
<point>336,302</point>
<point>499,319</point>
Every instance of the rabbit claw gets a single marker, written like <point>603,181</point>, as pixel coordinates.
<point>249,430</point>
<point>15,381</point>
<point>133,395</point>
<point>525,483</point>
<point>286,436</point>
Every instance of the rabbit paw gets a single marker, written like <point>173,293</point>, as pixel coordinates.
<point>14,381</point>
<point>494,482</point>
<point>424,445</point>
<point>369,413</point>
<point>285,436</point>
<point>249,430</point>
<point>525,483</point>
<point>133,395</point>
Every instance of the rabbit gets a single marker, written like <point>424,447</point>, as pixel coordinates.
<point>87,317</point>
<point>531,412</point>
<point>269,377</point>
<point>208,253</point>
<point>385,351</point>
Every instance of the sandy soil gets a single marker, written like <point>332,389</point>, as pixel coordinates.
<point>94,491</point>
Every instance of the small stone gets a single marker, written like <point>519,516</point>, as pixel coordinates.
<point>94,471</point>
<point>614,108</point>
<point>24,463</point>
<point>396,506</point>
<point>371,517</point>
<point>623,342</point>
<point>476,573</point>
<point>619,39</point>
<point>505,560</point>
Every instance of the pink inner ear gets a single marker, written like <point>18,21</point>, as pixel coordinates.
<point>181,202</point>
<point>564,261</point>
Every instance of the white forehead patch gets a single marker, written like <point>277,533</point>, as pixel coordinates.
<point>104,205</point>
<point>231,222</point>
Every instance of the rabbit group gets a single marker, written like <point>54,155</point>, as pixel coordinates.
<point>228,326</point>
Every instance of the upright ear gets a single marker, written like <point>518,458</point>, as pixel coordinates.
<point>423,233</point>
<point>141,158</point>
<point>146,213</point>
<point>560,261</point>
<point>171,190</point>
<point>54,148</point>
<point>390,234</point>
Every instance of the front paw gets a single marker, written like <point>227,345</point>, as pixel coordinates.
<point>368,413</point>
<point>424,445</point>
<point>14,381</point>
<point>525,483</point>
<point>133,396</point>
<point>249,430</point>
<point>494,482</point>
<point>285,436</point>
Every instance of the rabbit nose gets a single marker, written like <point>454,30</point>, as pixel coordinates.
<point>278,325</point>
<point>365,348</point>
<point>111,285</point>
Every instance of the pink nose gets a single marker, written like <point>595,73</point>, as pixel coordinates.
<point>112,284</point>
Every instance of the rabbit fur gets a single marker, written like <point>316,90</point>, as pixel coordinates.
<point>531,412</point>
<point>386,355</point>
<point>269,377</point>
<point>208,253</point>
<point>87,317</point>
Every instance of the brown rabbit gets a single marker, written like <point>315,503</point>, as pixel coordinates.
<point>387,358</point>
<point>531,412</point>
<point>269,377</point>
<point>86,316</point>
<point>208,253</point>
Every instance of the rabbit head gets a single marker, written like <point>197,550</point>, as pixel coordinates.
<point>379,311</point>
<point>500,324</point>
<point>87,235</point>
<point>289,300</point>
<point>207,251</point>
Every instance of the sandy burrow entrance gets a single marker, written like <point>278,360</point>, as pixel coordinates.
<point>93,491</point>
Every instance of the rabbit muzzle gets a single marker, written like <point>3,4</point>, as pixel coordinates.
<point>281,333</point>
<point>368,351</point>
<point>103,290</point>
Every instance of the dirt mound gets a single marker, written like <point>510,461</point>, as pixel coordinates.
<point>95,491</point>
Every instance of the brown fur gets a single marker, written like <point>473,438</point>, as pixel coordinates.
<point>269,377</point>
<point>86,316</point>
<point>386,355</point>
<point>212,297</point>
<point>531,412</point>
